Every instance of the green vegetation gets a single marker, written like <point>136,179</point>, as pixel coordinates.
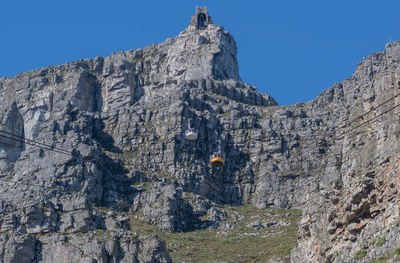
<point>360,254</point>
<point>101,208</point>
<point>381,242</point>
<point>148,186</point>
<point>242,243</point>
<point>381,259</point>
<point>128,156</point>
<point>384,258</point>
<point>373,242</point>
<point>226,115</point>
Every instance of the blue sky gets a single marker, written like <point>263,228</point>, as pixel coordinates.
<point>292,50</point>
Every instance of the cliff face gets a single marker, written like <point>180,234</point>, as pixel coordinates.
<point>123,120</point>
<point>353,215</point>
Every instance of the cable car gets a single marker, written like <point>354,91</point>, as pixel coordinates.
<point>191,134</point>
<point>217,160</point>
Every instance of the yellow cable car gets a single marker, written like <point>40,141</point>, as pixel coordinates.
<point>217,160</point>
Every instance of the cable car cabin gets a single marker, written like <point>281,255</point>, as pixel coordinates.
<point>217,160</point>
<point>191,134</point>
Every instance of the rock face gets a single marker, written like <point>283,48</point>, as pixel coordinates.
<point>353,214</point>
<point>116,126</point>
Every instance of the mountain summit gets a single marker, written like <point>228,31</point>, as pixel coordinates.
<point>95,160</point>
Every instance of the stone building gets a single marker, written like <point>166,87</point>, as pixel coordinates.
<point>201,20</point>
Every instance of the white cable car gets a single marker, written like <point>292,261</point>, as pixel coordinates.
<point>191,134</point>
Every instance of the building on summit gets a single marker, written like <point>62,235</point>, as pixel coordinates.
<point>201,20</point>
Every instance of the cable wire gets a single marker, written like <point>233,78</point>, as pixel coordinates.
<point>33,144</point>
<point>33,141</point>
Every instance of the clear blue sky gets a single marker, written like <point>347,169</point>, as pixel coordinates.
<point>292,50</point>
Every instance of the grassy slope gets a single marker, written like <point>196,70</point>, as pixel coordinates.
<point>209,245</point>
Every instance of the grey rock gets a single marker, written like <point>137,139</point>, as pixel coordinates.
<point>120,122</point>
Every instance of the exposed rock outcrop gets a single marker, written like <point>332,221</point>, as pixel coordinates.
<point>123,117</point>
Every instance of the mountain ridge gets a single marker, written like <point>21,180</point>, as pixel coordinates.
<point>125,117</point>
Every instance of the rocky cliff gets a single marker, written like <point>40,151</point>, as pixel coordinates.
<point>116,159</point>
